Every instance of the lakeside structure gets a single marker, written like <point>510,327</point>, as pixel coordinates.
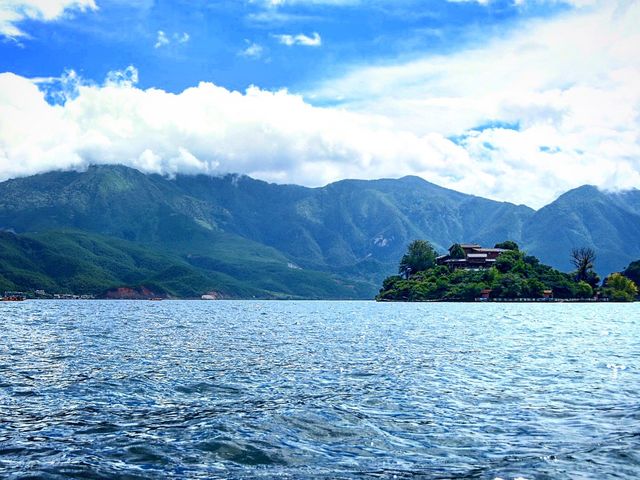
<point>470,256</point>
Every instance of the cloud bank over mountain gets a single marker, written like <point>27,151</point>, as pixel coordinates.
<point>521,117</point>
<point>550,105</point>
<point>206,129</point>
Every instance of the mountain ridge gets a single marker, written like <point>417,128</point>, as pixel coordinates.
<point>351,230</point>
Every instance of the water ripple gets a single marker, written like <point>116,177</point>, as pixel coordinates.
<point>137,390</point>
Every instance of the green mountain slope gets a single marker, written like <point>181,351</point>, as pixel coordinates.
<point>332,242</point>
<point>83,263</point>
<point>354,229</point>
<point>605,221</point>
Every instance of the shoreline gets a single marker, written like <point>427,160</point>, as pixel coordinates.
<point>508,300</point>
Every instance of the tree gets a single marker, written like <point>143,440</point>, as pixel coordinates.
<point>508,260</point>
<point>583,290</point>
<point>456,251</point>
<point>533,288</point>
<point>508,286</point>
<point>390,283</point>
<point>507,245</point>
<point>633,272</point>
<point>419,257</point>
<point>620,288</point>
<point>583,258</point>
<point>466,291</point>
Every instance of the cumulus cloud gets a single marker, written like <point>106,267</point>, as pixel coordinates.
<point>301,39</point>
<point>207,129</point>
<point>551,106</point>
<point>13,12</point>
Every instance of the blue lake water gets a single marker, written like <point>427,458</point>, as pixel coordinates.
<point>93,389</point>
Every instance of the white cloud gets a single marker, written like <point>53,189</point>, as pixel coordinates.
<point>280,3</point>
<point>116,78</point>
<point>253,50</point>
<point>575,3</point>
<point>301,39</point>
<point>207,129</point>
<point>162,39</point>
<point>571,84</point>
<point>12,12</point>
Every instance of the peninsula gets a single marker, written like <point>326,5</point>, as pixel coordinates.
<point>470,272</point>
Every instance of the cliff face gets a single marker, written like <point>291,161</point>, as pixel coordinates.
<point>127,293</point>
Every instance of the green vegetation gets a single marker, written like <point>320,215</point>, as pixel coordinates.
<point>632,272</point>
<point>346,237</point>
<point>620,288</point>
<point>508,245</point>
<point>456,251</point>
<point>515,275</point>
<point>419,257</point>
<point>82,263</point>
<point>353,230</point>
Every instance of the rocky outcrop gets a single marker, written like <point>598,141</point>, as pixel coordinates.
<point>131,293</point>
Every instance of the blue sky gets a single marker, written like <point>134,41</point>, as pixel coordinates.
<point>118,33</point>
<point>516,100</point>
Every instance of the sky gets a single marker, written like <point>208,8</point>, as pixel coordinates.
<point>514,100</point>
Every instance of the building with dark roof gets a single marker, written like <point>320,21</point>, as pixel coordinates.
<point>475,256</point>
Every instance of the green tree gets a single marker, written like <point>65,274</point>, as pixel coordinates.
<point>508,260</point>
<point>620,288</point>
<point>456,251</point>
<point>584,290</point>
<point>633,272</point>
<point>563,286</point>
<point>515,275</point>
<point>466,291</point>
<point>389,283</point>
<point>533,288</point>
<point>419,257</point>
<point>508,286</point>
<point>490,275</point>
<point>507,245</point>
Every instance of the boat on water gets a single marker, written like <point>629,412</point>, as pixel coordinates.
<point>13,297</point>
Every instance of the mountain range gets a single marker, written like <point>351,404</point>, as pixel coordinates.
<point>235,236</point>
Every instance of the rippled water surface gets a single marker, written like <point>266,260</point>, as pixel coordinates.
<point>319,390</point>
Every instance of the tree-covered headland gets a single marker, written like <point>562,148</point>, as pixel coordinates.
<point>511,274</point>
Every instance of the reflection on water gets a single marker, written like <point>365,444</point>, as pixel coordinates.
<point>319,390</point>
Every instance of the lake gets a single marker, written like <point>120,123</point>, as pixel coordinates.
<point>255,389</point>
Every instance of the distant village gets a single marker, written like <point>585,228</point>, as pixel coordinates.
<point>42,295</point>
<point>123,293</point>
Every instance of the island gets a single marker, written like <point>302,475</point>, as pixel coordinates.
<point>470,272</point>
